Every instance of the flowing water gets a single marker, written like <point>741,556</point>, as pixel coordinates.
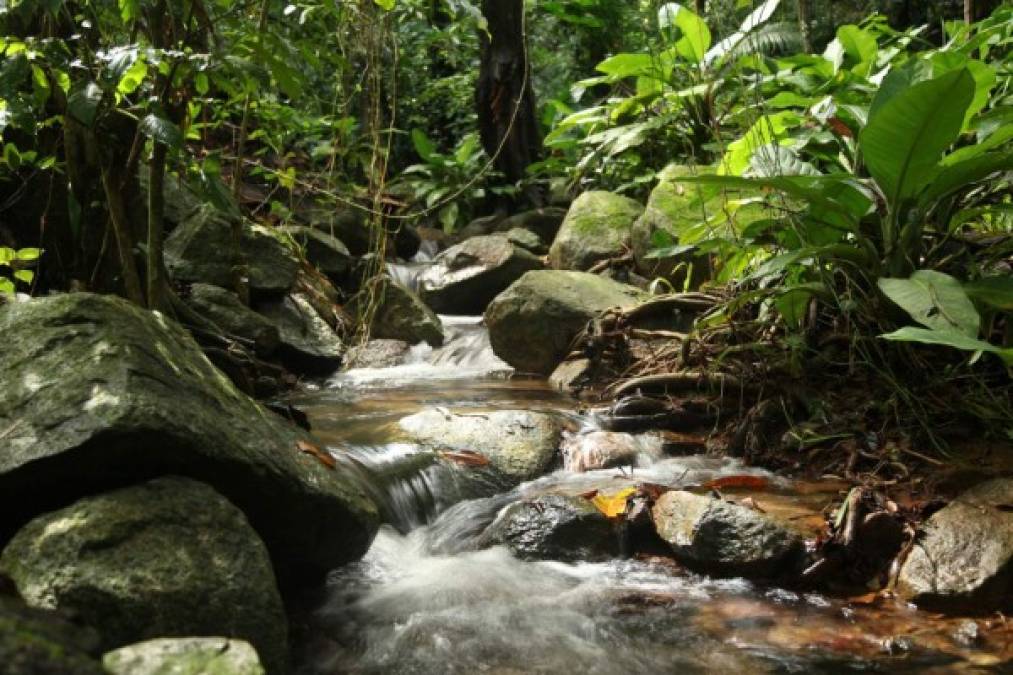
<point>425,600</point>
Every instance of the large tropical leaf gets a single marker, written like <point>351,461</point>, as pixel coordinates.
<point>993,291</point>
<point>694,36</point>
<point>906,137</point>
<point>935,300</point>
<point>948,338</point>
<point>954,177</point>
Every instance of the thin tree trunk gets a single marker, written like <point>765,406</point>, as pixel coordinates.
<point>969,16</point>
<point>701,7</point>
<point>111,182</point>
<point>156,228</point>
<point>504,96</point>
<point>805,24</point>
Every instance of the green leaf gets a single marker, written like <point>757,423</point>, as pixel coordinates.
<point>993,291</point>
<point>860,46</point>
<point>12,157</point>
<point>935,300</point>
<point>626,65</point>
<point>129,10</point>
<point>952,178</point>
<point>28,254</point>
<point>202,84</point>
<point>83,103</point>
<point>7,286</point>
<point>948,338</point>
<point>133,77</point>
<point>7,255</point>
<point>162,130</point>
<point>694,36</point>
<point>906,137</point>
<point>24,276</point>
<point>424,145</point>
<point>765,131</point>
<point>386,5</point>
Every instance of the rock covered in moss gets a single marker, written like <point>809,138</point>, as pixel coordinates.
<point>597,227</point>
<point>519,444</point>
<point>465,278</point>
<point>962,559</point>
<point>224,309</point>
<point>308,343</point>
<point>554,527</point>
<point>328,254</point>
<point>721,538</point>
<point>398,313</point>
<point>185,656</point>
<point>141,400</point>
<point>41,642</point>
<point>170,557</point>
<point>532,324</point>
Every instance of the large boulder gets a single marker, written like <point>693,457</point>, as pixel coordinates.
<point>328,254</point>
<point>141,400</point>
<point>597,227</point>
<point>378,354</point>
<point>544,222</point>
<point>351,225</point>
<point>520,445</point>
<point>962,559</point>
<point>554,527</point>
<point>185,656</point>
<point>224,309</point>
<point>202,249</point>
<point>726,539</point>
<point>532,324</point>
<point>170,557</point>
<point>465,278</point>
<point>308,343</point>
<point>398,314</point>
<point>40,642</point>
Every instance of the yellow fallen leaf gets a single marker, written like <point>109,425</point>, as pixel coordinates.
<point>613,505</point>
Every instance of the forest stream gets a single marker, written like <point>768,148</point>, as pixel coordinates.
<point>424,600</point>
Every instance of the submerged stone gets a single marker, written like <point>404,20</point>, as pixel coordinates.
<point>170,557</point>
<point>721,538</point>
<point>962,559</point>
<point>554,527</point>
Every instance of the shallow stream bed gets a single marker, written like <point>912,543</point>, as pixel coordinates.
<point>424,600</point>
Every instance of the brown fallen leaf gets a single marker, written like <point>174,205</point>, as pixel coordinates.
<point>742,481</point>
<point>464,457</point>
<point>322,456</point>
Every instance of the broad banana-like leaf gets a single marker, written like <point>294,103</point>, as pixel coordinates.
<point>935,300</point>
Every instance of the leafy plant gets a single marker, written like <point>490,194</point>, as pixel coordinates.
<point>18,262</point>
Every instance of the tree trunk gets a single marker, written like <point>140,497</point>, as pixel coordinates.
<point>805,24</point>
<point>504,97</point>
<point>701,7</point>
<point>969,11</point>
<point>112,180</point>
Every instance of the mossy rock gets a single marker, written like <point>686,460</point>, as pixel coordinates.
<point>170,557</point>
<point>185,656</point>
<point>399,313</point>
<point>224,309</point>
<point>40,642</point>
<point>597,227</point>
<point>99,394</point>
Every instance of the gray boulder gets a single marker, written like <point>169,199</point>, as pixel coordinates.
<point>399,313</point>
<point>378,354</point>
<point>553,527</point>
<point>527,240</point>
<point>41,642</point>
<point>272,267</point>
<point>597,227</point>
<point>544,222</point>
<point>465,278</point>
<point>170,557</point>
<point>224,309</point>
<point>185,656</point>
<point>308,343</point>
<point>351,226</point>
<point>141,400</point>
<point>721,538</point>
<point>607,449</point>
<point>328,254</point>
<point>532,324</point>
<point>520,445</point>
<point>962,560</point>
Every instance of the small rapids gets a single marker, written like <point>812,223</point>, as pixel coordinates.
<point>425,600</point>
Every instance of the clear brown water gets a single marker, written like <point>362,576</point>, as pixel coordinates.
<point>423,600</point>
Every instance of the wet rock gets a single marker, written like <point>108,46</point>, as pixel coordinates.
<point>271,266</point>
<point>962,560</point>
<point>519,444</point>
<point>571,376</point>
<point>40,642</point>
<point>142,400</point>
<point>479,227</point>
<point>168,557</point>
<point>465,278</point>
<point>527,240</point>
<point>328,254</point>
<point>185,656</point>
<point>224,309</point>
<point>607,449</point>
<point>596,228</point>
<point>351,226</point>
<point>378,354</point>
<point>544,222</point>
<point>308,344</point>
<point>721,538</point>
<point>399,314</point>
<point>553,527</point>
<point>532,324</point>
